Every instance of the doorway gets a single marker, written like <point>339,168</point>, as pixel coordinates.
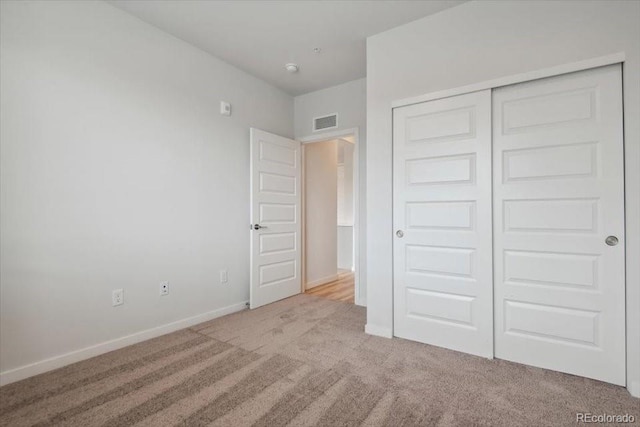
<point>329,217</point>
<point>278,243</point>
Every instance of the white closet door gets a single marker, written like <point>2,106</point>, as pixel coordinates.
<point>442,217</point>
<point>558,195</point>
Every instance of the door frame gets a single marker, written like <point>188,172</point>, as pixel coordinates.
<point>326,136</point>
<point>632,311</point>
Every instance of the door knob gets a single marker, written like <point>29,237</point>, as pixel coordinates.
<point>258,226</point>
<point>400,233</point>
<point>611,240</point>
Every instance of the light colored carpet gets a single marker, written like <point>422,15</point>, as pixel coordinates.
<point>300,362</point>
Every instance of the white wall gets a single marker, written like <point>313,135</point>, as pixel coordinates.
<point>345,204</point>
<point>349,101</point>
<point>345,247</point>
<point>321,206</point>
<point>480,41</point>
<point>345,182</point>
<point>117,172</point>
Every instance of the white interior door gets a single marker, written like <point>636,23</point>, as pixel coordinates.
<point>442,218</point>
<point>275,218</point>
<point>558,195</point>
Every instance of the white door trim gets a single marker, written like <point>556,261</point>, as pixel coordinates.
<point>324,136</point>
<point>571,67</point>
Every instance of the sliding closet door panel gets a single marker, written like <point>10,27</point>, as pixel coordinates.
<point>558,195</point>
<point>442,218</point>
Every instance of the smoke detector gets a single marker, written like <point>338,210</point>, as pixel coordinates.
<point>291,67</point>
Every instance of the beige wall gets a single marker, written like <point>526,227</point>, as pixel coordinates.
<point>345,205</point>
<point>321,220</point>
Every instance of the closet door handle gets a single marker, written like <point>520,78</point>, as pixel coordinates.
<point>611,240</point>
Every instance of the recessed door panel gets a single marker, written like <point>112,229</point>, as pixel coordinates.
<point>440,307</point>
<point>277,242</point>
<point>442,126</point>
<point>558,195</point>
<point>553,162</point>
<point>441,170</point>
<point>458,215</point>
<point>544,322</point>
<point>278,213</point>
<point>528,268</point>
<point>553,108</point>
<point>277,272</point>
<point>440,260</point>
<point>279,154</point>
<point>276,183</point>
<point>558,215</point>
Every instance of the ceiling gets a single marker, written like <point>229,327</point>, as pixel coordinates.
<point>260,37</point>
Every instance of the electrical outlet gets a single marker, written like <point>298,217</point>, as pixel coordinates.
<point>164,288</point>
<point>224,276</point>
<point>117,297</point>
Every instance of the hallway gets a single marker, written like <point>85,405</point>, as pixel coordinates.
<point>338,290</point>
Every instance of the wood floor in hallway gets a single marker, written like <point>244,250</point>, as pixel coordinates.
<point>342,289</point>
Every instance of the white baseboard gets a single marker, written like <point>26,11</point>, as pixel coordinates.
<point>322,281</point>
<point>634,388</point>
<point>42,366</point>
<point>378,331</point>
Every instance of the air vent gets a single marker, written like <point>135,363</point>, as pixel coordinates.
<point>326,122</point>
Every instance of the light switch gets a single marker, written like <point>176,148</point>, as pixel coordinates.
<point>225,108</point>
